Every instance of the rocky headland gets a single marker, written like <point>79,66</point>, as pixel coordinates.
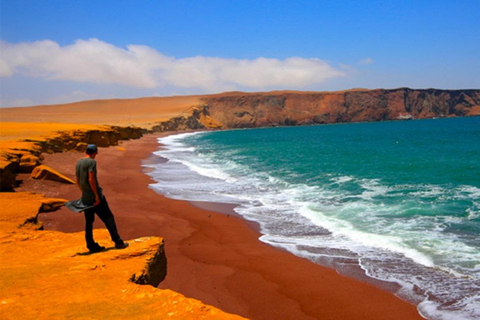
<point>252,110</point>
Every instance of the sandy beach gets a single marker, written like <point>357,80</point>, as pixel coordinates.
<point>216,257</point>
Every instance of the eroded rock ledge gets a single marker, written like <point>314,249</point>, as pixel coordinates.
<point>48,274</point>
<point>26,154</point>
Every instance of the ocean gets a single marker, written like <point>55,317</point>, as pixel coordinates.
<point>398,201</point>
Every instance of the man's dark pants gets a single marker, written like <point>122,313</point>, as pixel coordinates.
<point>106,215</point>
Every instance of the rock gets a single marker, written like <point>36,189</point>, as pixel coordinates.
<point>19,208</point>
<point>8,173</point>
<point>52,204</point>
<point>28,162</point>
<point>155,269</point>
<point>81,146</point>
<point>43,172</point>
<point>182,123</point>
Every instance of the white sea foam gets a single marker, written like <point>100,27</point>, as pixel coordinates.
<point>470,191</point>
<point>342,179</point>
<point>207,172</point>
<point>474,213</point>
<point>361,239</point>
<point>174,140</point>
<point>428,191</point>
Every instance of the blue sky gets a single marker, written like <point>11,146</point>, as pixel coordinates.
<point>64,51</point>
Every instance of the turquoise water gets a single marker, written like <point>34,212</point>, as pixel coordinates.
<point>401,200</point>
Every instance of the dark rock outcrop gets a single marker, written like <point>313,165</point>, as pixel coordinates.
<point>199,119</point>
<point>8,174</point>
<point>102,138</point>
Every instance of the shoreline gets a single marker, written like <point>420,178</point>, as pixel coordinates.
<point>216,257</point>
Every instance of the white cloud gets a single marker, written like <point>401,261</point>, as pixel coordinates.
<point>95,61</point>
<point>85,61</point>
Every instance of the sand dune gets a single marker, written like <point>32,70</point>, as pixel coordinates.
<point>142,112</point>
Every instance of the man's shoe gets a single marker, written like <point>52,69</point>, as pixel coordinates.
<point>97,249</point>
<point>122,245</point>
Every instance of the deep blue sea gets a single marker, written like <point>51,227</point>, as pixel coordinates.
<point>400,200</point>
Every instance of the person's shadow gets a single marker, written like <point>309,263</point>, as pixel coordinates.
<point>88,253</point>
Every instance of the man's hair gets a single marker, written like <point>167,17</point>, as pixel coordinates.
<point>91,149</point>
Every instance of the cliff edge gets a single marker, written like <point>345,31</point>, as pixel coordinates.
<point>48,274</point>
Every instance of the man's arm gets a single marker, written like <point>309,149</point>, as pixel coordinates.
<point>93,185</point>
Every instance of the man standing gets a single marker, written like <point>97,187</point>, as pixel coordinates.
<point>93,201</point>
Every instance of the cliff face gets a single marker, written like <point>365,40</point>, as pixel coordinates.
<point>297,108</point>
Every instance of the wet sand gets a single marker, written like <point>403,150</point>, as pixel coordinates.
<point>216,257</point>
